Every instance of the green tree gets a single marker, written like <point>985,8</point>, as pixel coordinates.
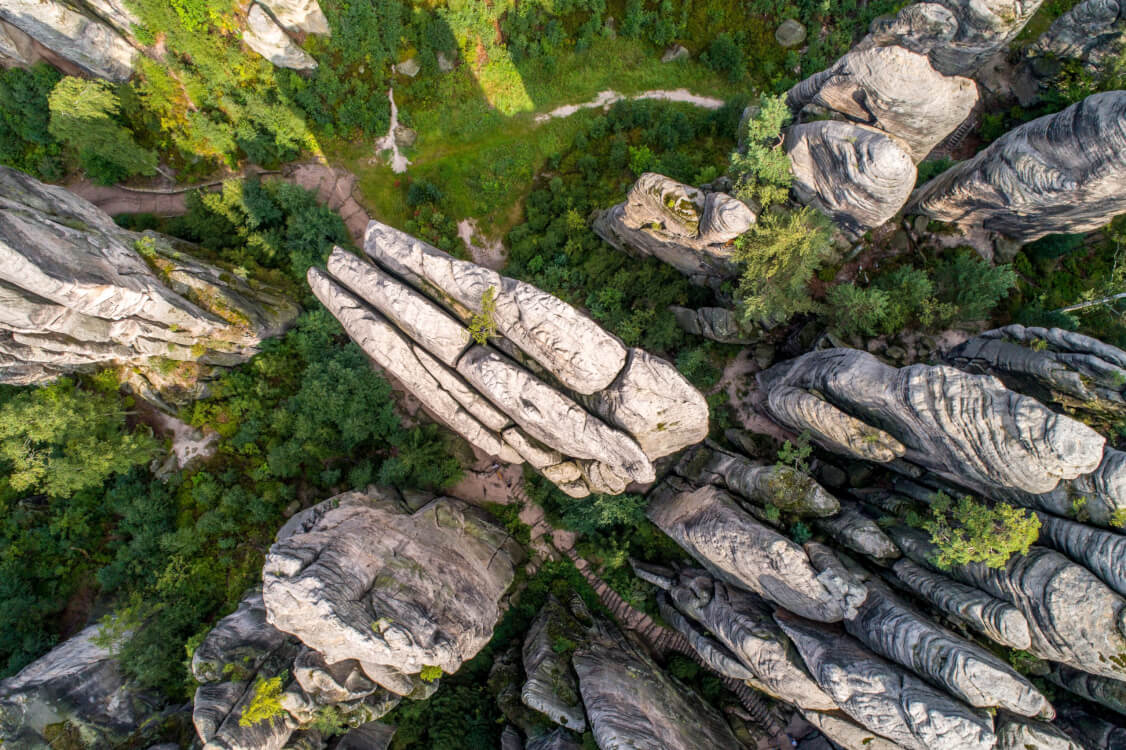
<point>84,116</point>
<point>857,311</point>
<point>970,531</point>
<point>482,325</point>
<point>762,169</point>
<point>725,56</point>
<point>779,256</point>
<point>25,141</point>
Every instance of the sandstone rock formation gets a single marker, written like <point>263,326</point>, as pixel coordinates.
<point>688,228</point>
<point>556,391</point>
<point>892,89</point>
<point>557,740</point>
<point>959,36</point>
<point>78,293</point>
<point>298,15</point>
<point>1101,552</point>
<point>967,428</point>
<point>551,688</point>
<point>715,323</point>
<point>710,525</point>
<point>1062,173</point>
<point>882,696</point>
<point>1092,32</point>
<point>1104,691</point>
<point>854,530</point>
<point>80,37</point>
<point>855,174</point>
<point>359,578</point>
<point>77,683</point>
<point>265,36</point>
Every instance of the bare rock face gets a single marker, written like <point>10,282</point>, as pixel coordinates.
<point>631,702</point>
<point>1098,498</point>
<point>715,323</point>
<point>968,428</point>
<point>854,530</point>
<point>893,89</point>
<point>688,228</point>
<point>1101,552</point>
<point>1092,32</point>
<point>855,174</point>
<point>557,740</point>
<point>298,15</point>
<point>883,697</point>
<point>78,683</point>
<point>1062,173</point>
<point>710,525</point>
<point>1073,617</point>
<point>268,39</point>
<point>1020,733</point>
<point>556,390</point>
<point>358,577</point>
<point>845,732</point>
<point>551,687</point>
<point>78,293</point>
<point>959,36</point>
<point>895,630</point>
<point>1102,690</point>
<point>370,736</point>
<point>238,644</point>
<point>81,38</point>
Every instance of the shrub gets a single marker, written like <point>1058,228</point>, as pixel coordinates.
<point>482,325</point>
<point>725,56</point>
<point>430,673</point>
<point>971,531</point>
<point>265,704</point>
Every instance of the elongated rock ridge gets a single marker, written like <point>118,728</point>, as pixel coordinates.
<point>78,293</point>
<point>1063,173</point>
<point>688,228</point>
<point>1092,32</point>
<point>81,38</point>
<point>552,388</point>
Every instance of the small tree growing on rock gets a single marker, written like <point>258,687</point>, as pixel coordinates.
<point>970,531</point>
<point>482,326</point>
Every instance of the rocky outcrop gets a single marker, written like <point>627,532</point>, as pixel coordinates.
<point>556,391</point>
<point>1020,733</point>
<point>370,736</point>
<point>238,644</point>
<point>892,89</point>
<point>1092,32</point>
<point>359,578</point>
<point>1101,552</point>
<point>854,530</point>
<point>551,687</point>
<point>715,323</point>
<point>297,16</point>
<point>688,228</point>
<point>1104,691</point>
<point>855,174</point>
<point>77,293</point>
<point>1073,617</point>
<point>1098,497</point>
<point>81,37</point>
<point>883,697</point>
<point>78,683</point>
<point>710,525</point>
<point>266,36</point>
<point>958,36</point>
<point>1063,173</point>
<point>845,732</point>
<point>967,428</point>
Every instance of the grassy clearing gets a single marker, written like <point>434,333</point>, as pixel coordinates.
<point>483,158</point>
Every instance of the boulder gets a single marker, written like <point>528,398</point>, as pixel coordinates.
<point>715,323</point>
<point>855,174</point>
<point>967,428</point>
<point>1021,733</point>
<point>851,528</point>
<point>688,228</point>
<point>959,36</point>
<point>1092,32</point>
<point>1073,617</point>
<point>790,34</point>
<point>551,687</point>
<point>709,651</point>
<point>268,39</point>
<point>81,38</point>
<point>78,683</point>
<point>883,697</point>
<point>994,618</point>
<point>326,683</point>
<point>893,89</point>
<point>358,577</point>
<point>1063,173</point>
<point>78,293</point>
<point>571,346</point>
<point>709,524</point>
<point>674,53</point>
<point>297,16</point>
<point>409,67</point>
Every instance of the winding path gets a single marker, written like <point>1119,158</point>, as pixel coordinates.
<point>605,98</point>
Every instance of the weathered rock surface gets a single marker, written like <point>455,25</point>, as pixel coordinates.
<point>1073,617</point>
<point>633,703</point>
<point>892,89</point>
<point>967,428</point>
<point>895,630</point>
<point>238,644</point>
<point>1101,690</point>
<point>557,740</point>
<point>583,356</point>
<point>856,531</point>
<point>1062,173</point>
<point>883,697</point>
<point>959,36</point>
<point>1101,552</point>
<point>78,683</point>
<point>551,687</point>
<point>1092,32</point>
<point>855,174</point>
<point>268,39</point>
<point>1020,733</point>
<point>81,38</point>
<point>688,228</point>
<point>1098,497</point>
<point>710,525</point>
<point>992,617</point>
<point>357,577</point>
<point>715,323</point>
<point>370,736</point>
<point>298,15</point>
<point>76,294</point>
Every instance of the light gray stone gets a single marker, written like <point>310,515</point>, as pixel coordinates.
<point>409,67</point>
<point>892,89</point>
<point>1098,497</point>
<point>370,736</point>
<point>298,15</point>
<point>1104,691</point>
<point>856,531</point>
<point>1020,733</point>
<point>1101,552</point>
<point>674,53</point>
<point>560,739</point>
<point>790,34</point>
<point>855,174</point>
<point>1092,32</point>
<point>847,733</point>
<point>81,38</point>
<point>238,644</point>
<point>1063,173</point>
<point>268,39</point>
<point>551,687</point>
